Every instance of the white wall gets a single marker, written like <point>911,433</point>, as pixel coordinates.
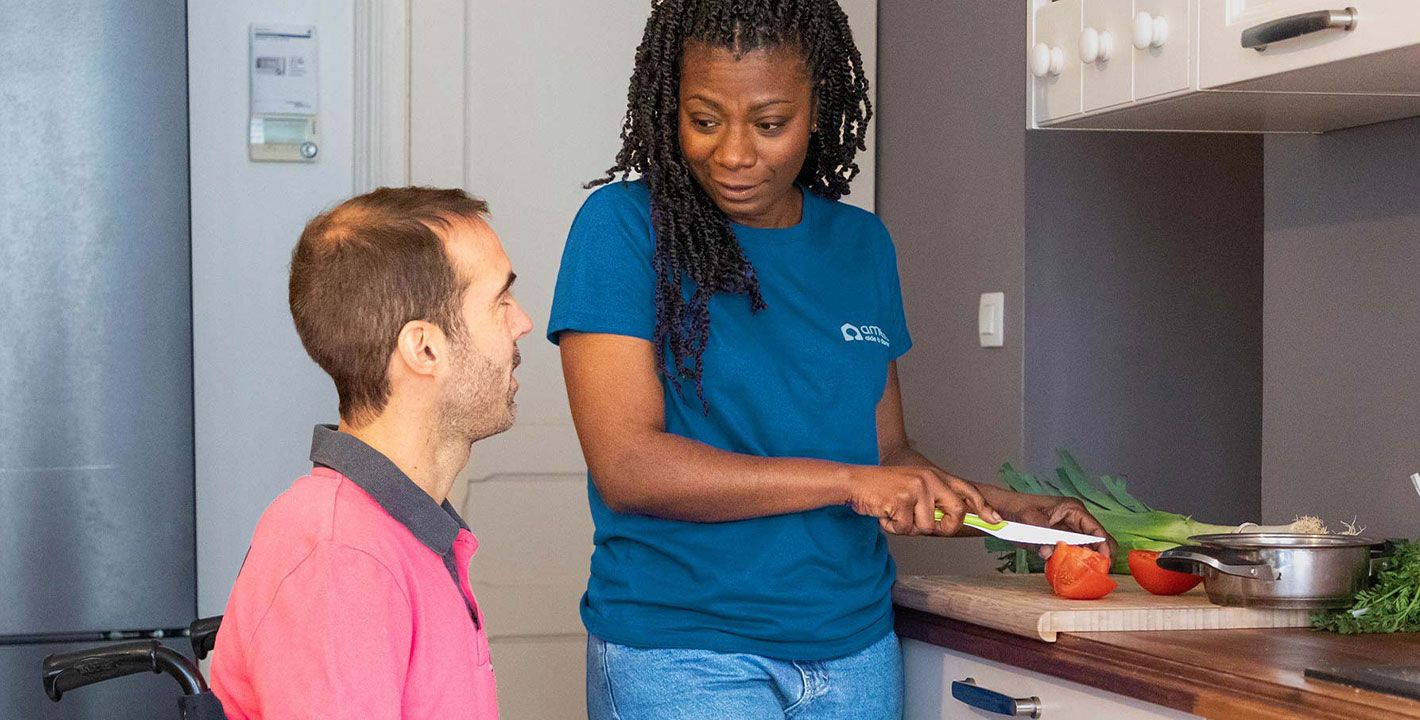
<point>256,393</point>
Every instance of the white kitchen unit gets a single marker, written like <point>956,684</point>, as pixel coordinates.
<point>1222,65</point>
<point>930,672</point>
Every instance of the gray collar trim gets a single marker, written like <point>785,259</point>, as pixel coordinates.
<point>437,526</point>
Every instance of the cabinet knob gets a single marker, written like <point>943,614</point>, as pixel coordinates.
<point>1150,31</point>
<point>1046,60</point>
<point>1161,32</point>
<point>1096,46</point>
<point>1040,60</point>
<point>1089,46</point>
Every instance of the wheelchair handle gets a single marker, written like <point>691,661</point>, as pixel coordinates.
<point>69,671</point>
<point>203,632</point>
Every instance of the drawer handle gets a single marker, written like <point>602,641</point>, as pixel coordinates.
<point>1259,37</point>
<point>968,692</point>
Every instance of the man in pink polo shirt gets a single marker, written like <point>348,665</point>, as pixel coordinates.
<point>354,600</point>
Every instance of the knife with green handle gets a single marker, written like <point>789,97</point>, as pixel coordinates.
<point>1023,533</point>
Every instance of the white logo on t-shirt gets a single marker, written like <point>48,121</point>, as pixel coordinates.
<point>864,333</point>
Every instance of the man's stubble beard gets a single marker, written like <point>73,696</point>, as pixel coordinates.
<point>479,403</point>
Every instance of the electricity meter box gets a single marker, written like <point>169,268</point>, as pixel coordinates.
<point>284,93</point>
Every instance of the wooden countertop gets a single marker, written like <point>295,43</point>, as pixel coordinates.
<point>1254,673</point>
<point>1024,605</point>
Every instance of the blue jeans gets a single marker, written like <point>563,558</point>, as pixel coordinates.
<point>626,683</point>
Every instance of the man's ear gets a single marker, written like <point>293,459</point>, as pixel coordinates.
<point>420,347</point>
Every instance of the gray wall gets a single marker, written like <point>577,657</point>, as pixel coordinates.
<point>1144,313</point>
<point>1341,430</point>
<point>976,204</point>
<point>951,166</point>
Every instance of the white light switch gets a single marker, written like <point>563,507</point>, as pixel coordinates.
<point>991,319</point>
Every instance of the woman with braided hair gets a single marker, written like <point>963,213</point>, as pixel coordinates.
<point>729,332</point>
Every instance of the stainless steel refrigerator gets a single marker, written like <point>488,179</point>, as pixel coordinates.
<point>96,444</point>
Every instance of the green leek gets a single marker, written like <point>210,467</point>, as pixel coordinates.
<point>1133,524</point>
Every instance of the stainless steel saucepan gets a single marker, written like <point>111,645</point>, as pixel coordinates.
<point>1279,570</point>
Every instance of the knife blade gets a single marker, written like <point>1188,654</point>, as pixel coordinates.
<point>1024,533</point>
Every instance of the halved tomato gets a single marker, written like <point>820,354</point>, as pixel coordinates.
<point>1078,573</point>
<point>1144,567</point>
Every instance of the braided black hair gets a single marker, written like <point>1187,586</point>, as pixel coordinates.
<point>693,236</point>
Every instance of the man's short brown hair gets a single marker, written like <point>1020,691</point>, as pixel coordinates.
<point>364,269</point>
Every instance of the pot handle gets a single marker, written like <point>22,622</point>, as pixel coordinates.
<point>1191,559</point>
<point>1381,554</point>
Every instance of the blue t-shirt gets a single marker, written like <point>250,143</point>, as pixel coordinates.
<point>801,378</point>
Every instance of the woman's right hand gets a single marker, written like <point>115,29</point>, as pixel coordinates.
<point>905,499</point>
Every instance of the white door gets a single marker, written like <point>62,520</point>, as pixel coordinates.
<point>521,103</point>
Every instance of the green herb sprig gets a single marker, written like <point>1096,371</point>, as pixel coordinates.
<point>1392,604</point>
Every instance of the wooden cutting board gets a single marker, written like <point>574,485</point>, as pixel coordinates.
<point>1024,605</point>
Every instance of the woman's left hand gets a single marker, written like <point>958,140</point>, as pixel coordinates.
<point>1059,513</point>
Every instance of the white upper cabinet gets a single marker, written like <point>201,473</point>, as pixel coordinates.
<point>1222,65</point>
